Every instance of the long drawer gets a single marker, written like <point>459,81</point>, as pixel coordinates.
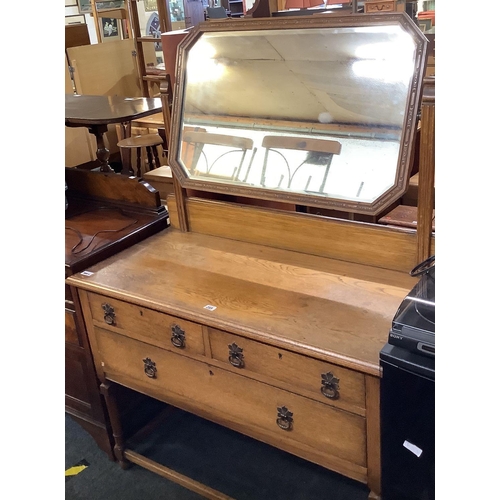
<point>147,325</point>
<point>327,383</point>
<point>320,431</point>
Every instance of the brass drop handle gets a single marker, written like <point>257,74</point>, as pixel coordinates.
<point>285,419</point>
<point>178,338</point>
<point>109,314</point>
<point>236,355</point>
<point>330,385</point>
<point>149,367</point>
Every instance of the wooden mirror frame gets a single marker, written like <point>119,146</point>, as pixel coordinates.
<point>314,21</point>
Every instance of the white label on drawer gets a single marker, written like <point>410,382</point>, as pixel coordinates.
<point>210,308</point>
<point>413,448</point>
<point>86,273</point>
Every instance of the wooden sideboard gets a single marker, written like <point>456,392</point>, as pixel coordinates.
<point>106,213</point>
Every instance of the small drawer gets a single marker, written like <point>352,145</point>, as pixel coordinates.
<point>304,426</point>
<point>325,382</point>
<point>147,325</point>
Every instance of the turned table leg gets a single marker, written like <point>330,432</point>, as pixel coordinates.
<point>102,151</point>
<point>108,391</point>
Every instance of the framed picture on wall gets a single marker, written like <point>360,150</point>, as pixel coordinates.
<point>70,3</point>
<point>109,28</point>
<point>150,5</point>
<point>425,24</point>
<point>78,19</point>
<point>84,6</point>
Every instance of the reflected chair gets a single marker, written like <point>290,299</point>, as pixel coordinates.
<point>319,152</point>
<point>216,13</point>
<point>148,141</point>
<point>194,143</point>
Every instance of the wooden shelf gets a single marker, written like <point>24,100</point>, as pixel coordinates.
<point>236,7</point>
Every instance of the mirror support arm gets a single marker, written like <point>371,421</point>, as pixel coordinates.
<point>426,171</point>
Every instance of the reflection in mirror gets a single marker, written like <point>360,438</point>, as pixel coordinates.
<point>315,111</point>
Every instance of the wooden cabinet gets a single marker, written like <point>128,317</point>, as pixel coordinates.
<point>236,8</point>
<point>97,228</point>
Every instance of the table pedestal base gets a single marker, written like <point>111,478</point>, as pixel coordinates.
<point>102,151</point>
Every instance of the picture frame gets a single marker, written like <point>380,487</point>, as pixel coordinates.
<point>424,24</point>
<point>77,19</point>
<point>150,5</point>
<point>109,28</point>
<point>70,3</point>
<point>85,6</point>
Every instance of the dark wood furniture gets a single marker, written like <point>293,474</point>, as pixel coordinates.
<point>148,141</point>
<point>106,213</point>
<point>404,216</point>
<point>161,179</point>
<point>96,112</point>
<point>378,6</point>
<point>76,35</point>
<point>269,322</point>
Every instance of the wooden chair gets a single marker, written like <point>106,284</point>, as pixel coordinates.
<point>148,141</point>
<point>194,143</point>
<point>319,152</point>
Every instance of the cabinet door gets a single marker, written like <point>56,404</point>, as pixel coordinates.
<point>194,12</point>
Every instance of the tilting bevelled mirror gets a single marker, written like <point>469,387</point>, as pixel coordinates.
<point>315,110</point>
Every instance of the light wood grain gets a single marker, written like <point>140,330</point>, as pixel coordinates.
<point>426,172</point>
<point>106,69</point>
<point>317,428</point>
<point>146,325</point>
<point>280,365</point>
<point>335,311</point>
<point>373,435</point>
<point>79,145</point>
<point>370,244</point>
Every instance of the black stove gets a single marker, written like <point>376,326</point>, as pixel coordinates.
<point>413,326</point>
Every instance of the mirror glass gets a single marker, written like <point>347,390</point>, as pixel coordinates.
<point>315,112</point>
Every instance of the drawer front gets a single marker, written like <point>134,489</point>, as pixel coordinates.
<point>375,7</point>
<point>67,293</point>
<point>147,325</point>
<point>247,404</point>
<point>70,331</point>
<point>327,383</point>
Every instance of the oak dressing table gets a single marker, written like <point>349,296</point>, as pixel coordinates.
<point>270,321</point>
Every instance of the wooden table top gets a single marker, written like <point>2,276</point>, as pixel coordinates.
<point>102,110</point>
<point>335,311</point>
